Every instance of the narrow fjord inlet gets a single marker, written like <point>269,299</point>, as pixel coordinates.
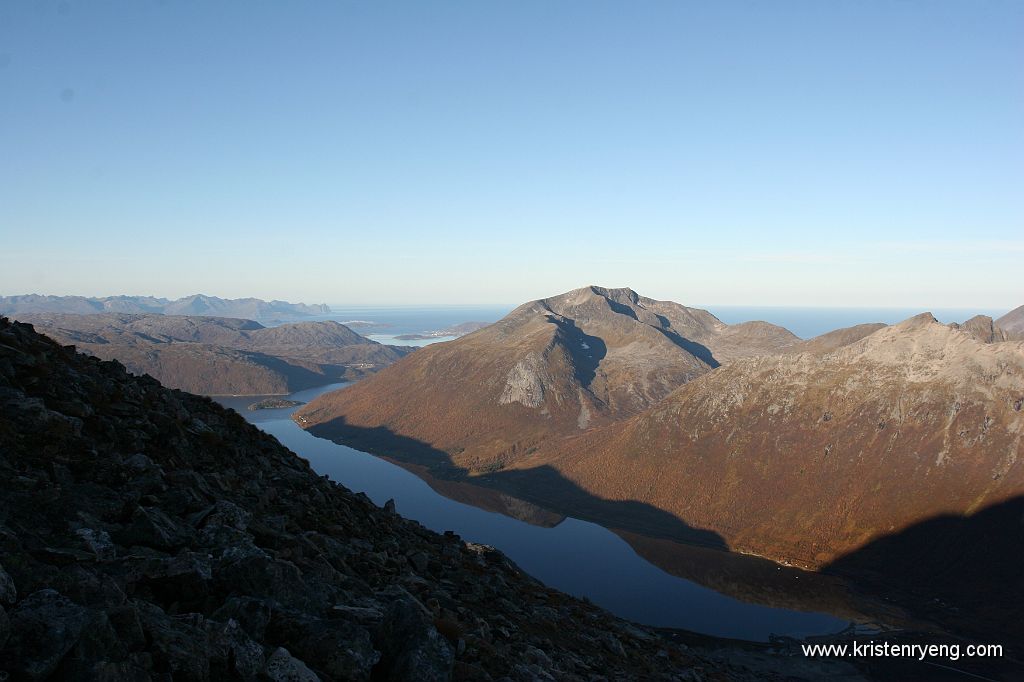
<point>576,556</point>
<point>517,341</point>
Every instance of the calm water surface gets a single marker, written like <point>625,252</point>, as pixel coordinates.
<point>578,557</point>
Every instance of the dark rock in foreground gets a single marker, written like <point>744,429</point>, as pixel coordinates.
<point>147,533</point>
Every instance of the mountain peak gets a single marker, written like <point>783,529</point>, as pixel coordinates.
<point>917,321</point>
<point>618,294</point>
<point>592,293</point>
<point>552,366</point>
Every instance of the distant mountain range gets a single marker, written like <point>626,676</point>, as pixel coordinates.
<point>221,356</point>
<point>198,304</point>
<point>659,419</point>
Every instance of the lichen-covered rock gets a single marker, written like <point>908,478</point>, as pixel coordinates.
<point>5,627</point>
<point>413,647</point>
<point>8,592</point>
<point>337,648</point>
<point>283,667</point>
<point>44,626</point>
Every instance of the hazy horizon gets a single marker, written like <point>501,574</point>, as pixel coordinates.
<point>729,313</point>
<point>357,305</point>
<point>793,154</point>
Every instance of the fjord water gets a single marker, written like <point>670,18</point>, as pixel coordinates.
<point>575,556</point>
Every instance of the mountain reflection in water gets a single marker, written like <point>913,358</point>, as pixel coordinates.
<point>649,580</point>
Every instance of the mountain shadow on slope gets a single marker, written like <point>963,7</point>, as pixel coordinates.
<point>543,486</point>
<point>698,350</point>
<point>965,573</point>
<point>587,350</point>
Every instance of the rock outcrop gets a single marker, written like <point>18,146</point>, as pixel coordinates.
<point>146,533</point>
<point>1013,321</point>
<point>984,329</point>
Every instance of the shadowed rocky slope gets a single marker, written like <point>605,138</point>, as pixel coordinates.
<point>550,368</point>
<point>222,356</point>
<point>963,571</point>
<point>151,534</point>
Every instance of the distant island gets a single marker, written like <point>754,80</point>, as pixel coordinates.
<point>274,404</point>
<point>197,304</point>
<point>358,324</point>
<point>455,331</point>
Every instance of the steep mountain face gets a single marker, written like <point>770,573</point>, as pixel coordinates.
<point>222,356</point>
<point>1013,321</point>
<point>198,304</point>
<point>803,458</point>
<point>983,329</point>
<point>551,367</point>
<point>151,534</point>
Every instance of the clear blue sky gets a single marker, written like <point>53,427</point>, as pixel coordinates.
<point>789,153</point>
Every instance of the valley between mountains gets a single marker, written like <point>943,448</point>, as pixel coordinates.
<point>886,458</point>
<point>889,454</point>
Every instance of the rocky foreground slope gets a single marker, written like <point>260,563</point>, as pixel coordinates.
<point>222,356</point>
<point>147,533</point>
<point>549,368</point>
